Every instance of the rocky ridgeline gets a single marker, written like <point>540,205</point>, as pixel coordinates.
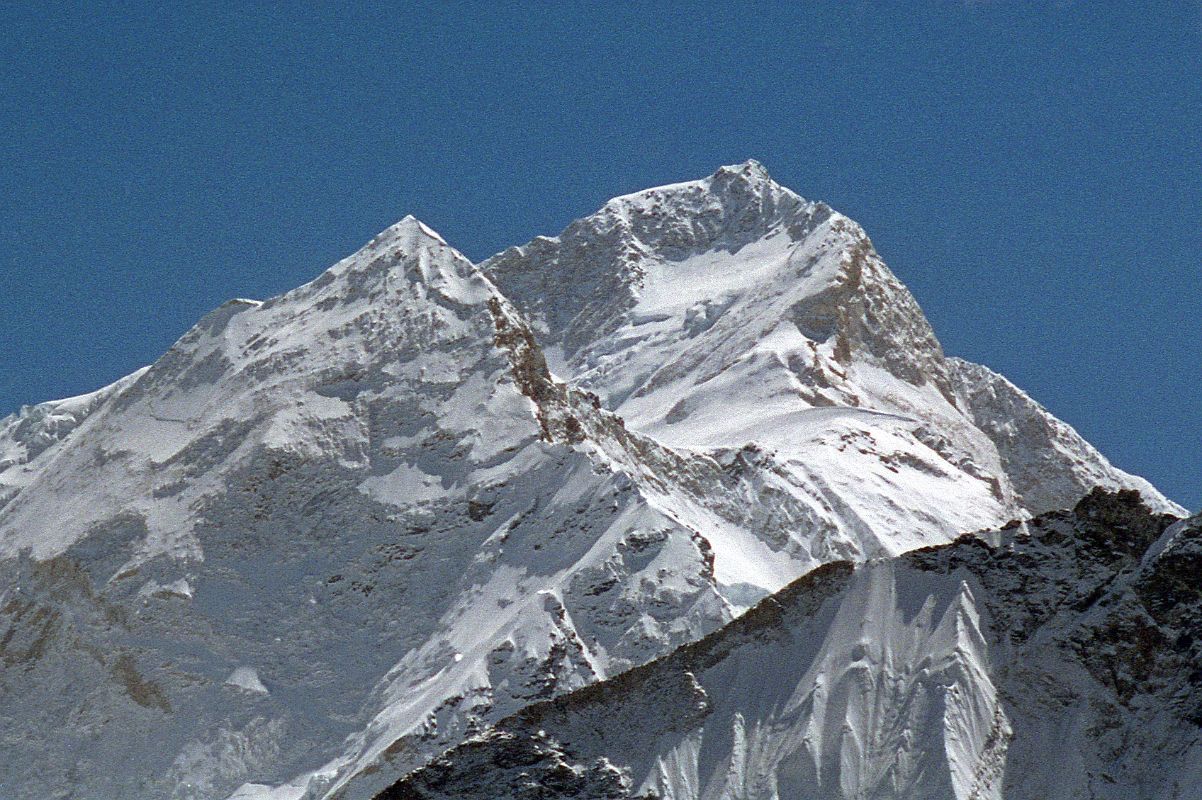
<point>1089,620</point>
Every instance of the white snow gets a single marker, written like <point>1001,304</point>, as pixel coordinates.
<point>246,678</point>
<point>179,588</point>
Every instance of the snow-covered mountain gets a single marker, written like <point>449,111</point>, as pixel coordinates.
<point>729,310</point>
<point>1060,657</point>
<point>327,536</point>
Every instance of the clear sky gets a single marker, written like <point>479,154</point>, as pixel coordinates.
<point>1033,171</point>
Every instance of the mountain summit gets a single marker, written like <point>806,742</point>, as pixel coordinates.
<point>728,312</point>
<point>328,536</point>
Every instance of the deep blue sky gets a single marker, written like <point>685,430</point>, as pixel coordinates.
<point>1032,171</point>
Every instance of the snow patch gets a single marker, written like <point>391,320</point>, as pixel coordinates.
<point>246,678</point>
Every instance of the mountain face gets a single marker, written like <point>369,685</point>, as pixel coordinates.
<point>328,536</point>
<point>1059,657</point>
<point>729,311</point>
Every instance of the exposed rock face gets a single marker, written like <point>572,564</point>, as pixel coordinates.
<point>327,536</point>
<point>1054,658</point>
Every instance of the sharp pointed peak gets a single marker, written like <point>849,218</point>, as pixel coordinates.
<point>407,242</point>
<point>409,229</point>
<point>408,247</point>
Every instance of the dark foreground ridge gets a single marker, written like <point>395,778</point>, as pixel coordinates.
<point>1100,591</point>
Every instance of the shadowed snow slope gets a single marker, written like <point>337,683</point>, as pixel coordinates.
<point>1055,658</point>
<point>329,535</point>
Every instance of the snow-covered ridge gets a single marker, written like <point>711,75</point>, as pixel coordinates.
<point>34,429</point>
<point>1050,658</point>
<point>328,535</point>
<point>1045,458</point>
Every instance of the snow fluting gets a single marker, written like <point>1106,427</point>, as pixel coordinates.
<point>1058,657</point>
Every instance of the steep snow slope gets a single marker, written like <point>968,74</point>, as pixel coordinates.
<point>726,311</point>
<point>1055,658</point>
<point>359,508</point>
<point>34,429</point>
<point>1045,459</point>
<point>329,535</point>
